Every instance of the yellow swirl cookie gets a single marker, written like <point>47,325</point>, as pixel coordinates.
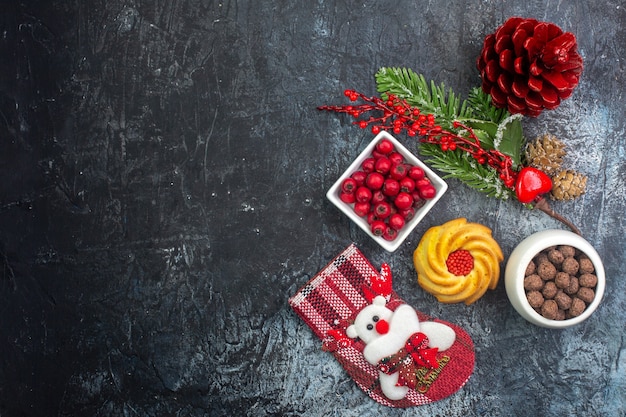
<point>458,261</point>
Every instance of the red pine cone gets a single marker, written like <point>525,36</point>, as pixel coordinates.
<point>528,66</point>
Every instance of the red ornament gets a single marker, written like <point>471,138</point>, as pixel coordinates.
<point>528,66</point>
<point>531,183</point>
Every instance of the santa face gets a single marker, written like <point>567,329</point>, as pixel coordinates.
<point>372,322</point>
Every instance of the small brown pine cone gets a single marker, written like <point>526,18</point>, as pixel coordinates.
<point>568,185</point>
<point>528,66</point>
<point>545,153</point>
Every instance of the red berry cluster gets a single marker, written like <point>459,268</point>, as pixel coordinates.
<point>387,190</point>
<point>460,262</point>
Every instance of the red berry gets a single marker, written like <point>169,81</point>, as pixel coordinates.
<point>378,196</point>
<point>398,171</point>
<point>407,184</point>
<point>424,182</point>
<point>408,214</point>
<point>363,194</point>
<point>385,146</point>
<point>348,185</point>
<point>390,233</point>
<point>359,177</point>
<point>427,192</point>
<point>374,181</point>
<point>378,227</point>
<point>417,173</point>
<point>361,209</point>
<point>371,217</point>
<point>396,158</point>
<point>396,221</point>
<point>377,155</point>
<point>382,210</point>
<point>403,201</point>
<point>391,187</point>
<point>368,164</point>
<point>383,165</point>
<point>347,198</point>
<point>419,203</point>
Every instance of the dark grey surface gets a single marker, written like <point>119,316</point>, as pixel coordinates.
<point>164,172</point>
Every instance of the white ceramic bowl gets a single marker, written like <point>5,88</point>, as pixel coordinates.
<point>439,184</point>
<point>525,252</point>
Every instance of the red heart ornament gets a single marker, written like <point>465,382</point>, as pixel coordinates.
<point>531,183</point>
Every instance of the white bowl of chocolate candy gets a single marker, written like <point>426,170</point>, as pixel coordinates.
<point>555,279</point>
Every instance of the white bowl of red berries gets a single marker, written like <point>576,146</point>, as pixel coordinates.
<point>387,191</point>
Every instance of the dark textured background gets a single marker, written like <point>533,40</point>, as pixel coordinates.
<point>163,178</point>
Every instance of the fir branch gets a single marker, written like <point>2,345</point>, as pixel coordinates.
<point>509,138</point>
<point>430,98</point>
<point>395,114</point>
<point>496,128</point>
<point>481,107</point>
<point>460,165</point>
<point>470,140</point>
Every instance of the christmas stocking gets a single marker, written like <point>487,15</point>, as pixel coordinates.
<point>399,356</point>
